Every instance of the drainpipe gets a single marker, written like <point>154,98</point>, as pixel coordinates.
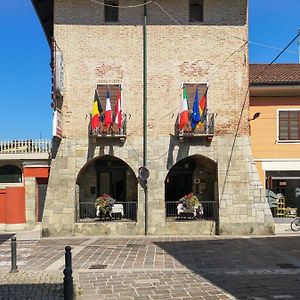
<point>145,111</point>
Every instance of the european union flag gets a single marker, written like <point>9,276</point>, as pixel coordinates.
<point>195,118</point>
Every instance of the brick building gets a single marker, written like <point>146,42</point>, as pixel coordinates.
<point>174,45</point>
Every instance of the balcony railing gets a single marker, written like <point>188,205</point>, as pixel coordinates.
<point>25,146</point>
<point>206,128</point>
<point>209,212</point>
<point>110,132</point>
<point>86,213</point>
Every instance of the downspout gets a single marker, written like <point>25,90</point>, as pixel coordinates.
<point>145,111</point>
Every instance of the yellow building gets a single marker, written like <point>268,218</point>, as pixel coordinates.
<point>275,95</point>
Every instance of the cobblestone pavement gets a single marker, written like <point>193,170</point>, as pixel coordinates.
<point>256,268</point>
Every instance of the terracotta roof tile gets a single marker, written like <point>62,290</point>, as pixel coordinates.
<point>276,74</point>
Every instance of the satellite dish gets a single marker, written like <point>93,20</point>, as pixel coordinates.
<point>144,173</point>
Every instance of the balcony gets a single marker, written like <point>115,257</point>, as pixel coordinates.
<point>33,149</point>
<point>112,132</point>
<point>86,213</point>
<point>203,130</point>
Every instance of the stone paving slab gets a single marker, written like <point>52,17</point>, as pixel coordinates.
<point>149,285</point>
<point>31,285</point>
<point>253,268</point>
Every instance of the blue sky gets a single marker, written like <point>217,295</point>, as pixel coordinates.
<point>25,79</point>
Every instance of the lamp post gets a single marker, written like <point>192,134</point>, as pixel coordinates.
<point>145,111</point>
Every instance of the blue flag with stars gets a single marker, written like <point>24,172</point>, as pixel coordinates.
<point>196,113</point>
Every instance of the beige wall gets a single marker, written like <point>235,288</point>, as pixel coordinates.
<point>263,130</point>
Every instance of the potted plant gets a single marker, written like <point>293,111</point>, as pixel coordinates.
<point>189,204</point>
<point>104,204</point>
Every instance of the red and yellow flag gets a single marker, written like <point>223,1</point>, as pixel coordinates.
<point>95,114</point>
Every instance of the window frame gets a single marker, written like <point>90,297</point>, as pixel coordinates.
<point>113,96</point>
<point>109,11</point>
<point>287,141</point>
<point>191,102</point>
<point>191,16</point>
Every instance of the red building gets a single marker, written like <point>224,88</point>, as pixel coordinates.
<point>24,172</point>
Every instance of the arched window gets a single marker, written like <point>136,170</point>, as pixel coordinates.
<point>10,174</point>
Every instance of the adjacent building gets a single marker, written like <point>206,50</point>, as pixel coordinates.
<point>275,95</point>
<point>24,172</point>
<point>150,55</point>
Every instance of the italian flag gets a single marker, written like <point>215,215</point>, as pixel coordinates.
<point>118,110</point>
<point>184,116</point>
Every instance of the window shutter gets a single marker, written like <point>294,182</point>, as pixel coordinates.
<point>283,125</point>
<point>196,11</point>
<point>111,13</point>
<point>289,124</point>
<point>191,91</point>
<point>113,89</point>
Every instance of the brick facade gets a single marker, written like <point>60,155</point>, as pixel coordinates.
<point>213,52</point>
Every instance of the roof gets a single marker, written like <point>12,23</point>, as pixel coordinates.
<point>275,74</point>
<point>44,11</point>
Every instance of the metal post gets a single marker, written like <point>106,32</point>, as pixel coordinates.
<point>68,279</point>
<point>299,45</point>
<point>13,255</point>
<point>145,111</point>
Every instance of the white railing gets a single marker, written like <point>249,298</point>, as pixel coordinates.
<point>25,146</point>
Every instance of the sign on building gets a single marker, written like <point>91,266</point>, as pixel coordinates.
<point>57,124</point>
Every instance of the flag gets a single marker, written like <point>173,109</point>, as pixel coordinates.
<point>118,110</point>
<point>108,114</point>
<point>184,116</point>
<point>202,107</point>
<point>196,111</point>
<point>95,114</point>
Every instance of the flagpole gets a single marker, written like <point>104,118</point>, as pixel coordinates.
<point>145,111</point>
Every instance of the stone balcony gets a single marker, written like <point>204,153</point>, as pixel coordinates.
<point>205,129</point>
<point>25,149</point>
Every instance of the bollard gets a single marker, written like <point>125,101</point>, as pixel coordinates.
<point>68,257</point>
<point>14,267</point>
<point>68,279</point>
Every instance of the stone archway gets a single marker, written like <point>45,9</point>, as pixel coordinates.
<point>194,174</point>
<point>106,175</point>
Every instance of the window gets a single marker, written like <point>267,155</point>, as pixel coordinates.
<point>111,11</point>
<point>102,92</point>
<point>191,91</point>
<point>289,125</point>
<point>196,11</point>
<point>10,174</point>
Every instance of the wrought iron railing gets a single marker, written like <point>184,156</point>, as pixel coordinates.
<point>86,212</point>
<point>206,128</point>
<point>111,131</point>
<point>209,212</point>
<point>25,146</point>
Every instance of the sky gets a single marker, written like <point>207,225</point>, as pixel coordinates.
<point>25,77</point>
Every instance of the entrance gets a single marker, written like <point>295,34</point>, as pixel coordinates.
<point>195,174</point>
<point>42,190</point>
<point>107,175</point>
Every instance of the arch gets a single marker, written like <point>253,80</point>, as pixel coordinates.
<point>10,174</point>
<point>107,175</point>
<point>194,174</point>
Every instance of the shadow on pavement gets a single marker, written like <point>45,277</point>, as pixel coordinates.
<point>31,291</point>
<point>5,236</point>
<point>247,268</point>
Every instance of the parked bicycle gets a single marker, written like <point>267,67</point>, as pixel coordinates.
<point>295,224</point>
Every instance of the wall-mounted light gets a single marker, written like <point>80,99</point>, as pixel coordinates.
<point>255,116</point>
